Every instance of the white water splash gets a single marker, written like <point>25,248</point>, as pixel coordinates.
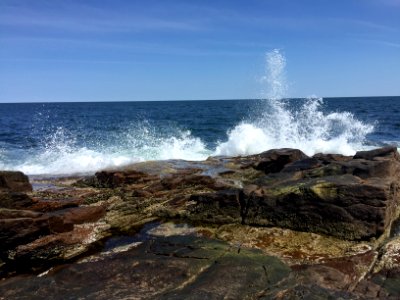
<point>62,155</point>
<point>306,128</point>
<point>275,77</point>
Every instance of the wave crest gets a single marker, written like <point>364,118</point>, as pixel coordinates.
<point>306,128</point>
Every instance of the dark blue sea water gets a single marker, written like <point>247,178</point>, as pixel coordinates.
<point>67,138</point>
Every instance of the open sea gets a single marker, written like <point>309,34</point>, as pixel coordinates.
<point>70,138</point>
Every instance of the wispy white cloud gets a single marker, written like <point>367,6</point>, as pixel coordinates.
<point>186,17</point>
<point>372,25</point>
<point>95,25</point>
<point>380,42</point>
<point>125,48</point>
<point>390,2</point>
<point>352,24</point>
<point>83,18</point>
<point>66,60</point>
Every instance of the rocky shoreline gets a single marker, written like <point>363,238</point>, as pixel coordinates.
<point>277,225</point>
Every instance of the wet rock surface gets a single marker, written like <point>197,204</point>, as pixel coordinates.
<point>173,267</point>
<point>277,225</point>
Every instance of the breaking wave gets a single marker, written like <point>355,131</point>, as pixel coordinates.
<point>282,123</point>
<point>63,156</point>
<point>306,128</point>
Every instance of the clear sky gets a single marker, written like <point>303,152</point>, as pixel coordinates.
<point>116,50</point>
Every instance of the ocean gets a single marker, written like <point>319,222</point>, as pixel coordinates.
<point>58,139</point>
<point>81,138</point>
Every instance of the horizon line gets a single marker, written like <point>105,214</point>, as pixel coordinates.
<point>182,100</point>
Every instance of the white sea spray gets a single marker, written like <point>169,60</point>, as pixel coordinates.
<point>305,127</point>
<point>63,156</point>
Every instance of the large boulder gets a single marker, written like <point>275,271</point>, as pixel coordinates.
<point>353,199</point>
<point>275,160</point>
<point>13,186</point>
<point>14,181</point>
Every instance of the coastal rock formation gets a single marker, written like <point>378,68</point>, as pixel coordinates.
<point>14,182</point>
<point>45,228</point>
<point>325,225</point>
<point>13,186</point>
<point>352,198</point>
<point>176,267</point>
<point>349,198</point>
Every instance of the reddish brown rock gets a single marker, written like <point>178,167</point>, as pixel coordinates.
<point>54,205</point>
<point>272,161</point>
<point>15,200</point>
<point>21,228</point>
<point>118,178</point>
<point>338,274</point>
<point>81,214</point>
<point>388,152</point>
<point>351,199</point>
<point>179,182</point>
<point>14,181</point>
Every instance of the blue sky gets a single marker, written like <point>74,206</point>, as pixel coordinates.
<point>52,50</point>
